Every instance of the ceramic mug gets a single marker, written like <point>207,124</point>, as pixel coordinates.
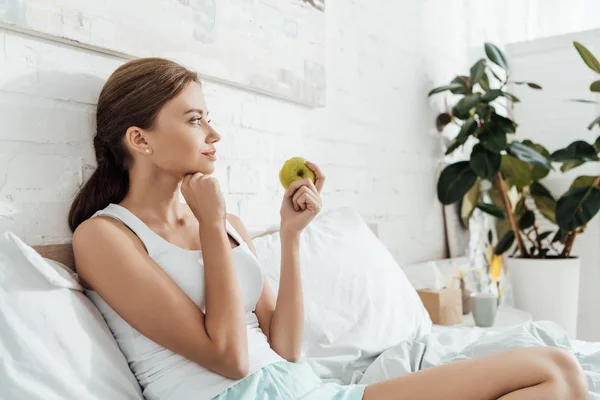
<point>484,307</point>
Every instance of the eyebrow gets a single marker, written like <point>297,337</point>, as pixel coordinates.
<point>199,111</point>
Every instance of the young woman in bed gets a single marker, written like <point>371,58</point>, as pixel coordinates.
<point>179,284</point>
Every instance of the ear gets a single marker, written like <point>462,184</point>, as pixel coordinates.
<point>136,139</point>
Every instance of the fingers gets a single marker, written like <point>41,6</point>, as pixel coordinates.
<point>309,201</point>
<point>296,185</point>
<point>189,177</point>
<point>305,197</point>
<point>297,205</point>
<point>320,177</point>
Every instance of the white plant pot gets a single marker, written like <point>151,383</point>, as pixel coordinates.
<point>547,288</point>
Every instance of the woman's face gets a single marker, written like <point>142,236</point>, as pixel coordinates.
<point>182,140</point>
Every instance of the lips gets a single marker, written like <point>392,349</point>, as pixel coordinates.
<point>212,155</point>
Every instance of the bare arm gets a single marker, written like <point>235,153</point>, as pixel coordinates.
<point>112,260</point>
<point>281,320</point>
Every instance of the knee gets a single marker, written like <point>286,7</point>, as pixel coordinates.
<point>568,373</point>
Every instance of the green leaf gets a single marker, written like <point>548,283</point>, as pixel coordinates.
<point>507,125</point>
<point>511,97</point>
<point>583,181</point>
<point>520,207</point>
<point>527,220</point>
<point>477,71</point>
<point>516,171</point>
<point>585,101</point>
<point>594,122</point>
<point>595,86</point>
<point>495,75</point>
<point>597,144</point>
<point>544,201</point>
<point>576,151</point>
<point>491,95</point>
<point>461,110</point>
<point>467,129</point>
<point>496,56</point>
<point>543,236</point>
<point>537,171</point>
<point>465,86</point>
<point>484,82</point>
<point>469,203</point>
<point>587,57</point>
<point>569,165</point>
<point>444,88</point>
<point>493,139</point>
<point>504,243</point>
<point>528,154</point>
<point>484,112</point>
<point>453,145</point>
<point>455,180</point>
<point>530,84</point>
<point>561,236</point>
<point>485,163</point>
<point>577,207</point>
<point>492,210</point>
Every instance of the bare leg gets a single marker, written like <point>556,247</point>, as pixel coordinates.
<point>546,373</point>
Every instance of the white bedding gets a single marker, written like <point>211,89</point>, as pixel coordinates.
<point>451,344</point>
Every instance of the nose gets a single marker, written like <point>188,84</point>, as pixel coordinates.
<point>213,136</point>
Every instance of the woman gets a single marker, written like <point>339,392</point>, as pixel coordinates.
<point>180,286</point>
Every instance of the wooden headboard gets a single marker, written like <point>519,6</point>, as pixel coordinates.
<point>63,253</point>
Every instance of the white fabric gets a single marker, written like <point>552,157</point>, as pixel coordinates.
<point>358,302</point>
<point>454,344</point>
<point>162,373</point>
<point>54,344</point>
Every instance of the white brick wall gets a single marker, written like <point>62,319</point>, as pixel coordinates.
<point>371,139</point>
<point>374,139</point>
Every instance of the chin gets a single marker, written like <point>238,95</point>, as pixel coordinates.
<point>206,168</point>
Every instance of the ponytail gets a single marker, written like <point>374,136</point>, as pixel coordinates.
<point>108,184</point>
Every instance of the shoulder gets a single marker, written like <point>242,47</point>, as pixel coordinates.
<point>96,228</point>
<point>100,234</point>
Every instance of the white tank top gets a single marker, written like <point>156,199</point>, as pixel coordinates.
<point>162,373</point>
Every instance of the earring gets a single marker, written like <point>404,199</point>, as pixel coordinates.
<point>149,151</point>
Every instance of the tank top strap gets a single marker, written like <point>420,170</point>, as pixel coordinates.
<point>233,233</point>
<point>154,243</point>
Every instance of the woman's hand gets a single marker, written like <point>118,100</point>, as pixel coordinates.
<point>203,195</point>
<point>302,201</point>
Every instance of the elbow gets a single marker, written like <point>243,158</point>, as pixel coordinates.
<point>289,354</point>
<point>236,365</point>
<point>293,358</point>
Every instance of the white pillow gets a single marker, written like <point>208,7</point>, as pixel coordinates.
<point>357,300</point>
<point>54,344</point>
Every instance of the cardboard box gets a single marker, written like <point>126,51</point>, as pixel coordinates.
<point>444,306</point>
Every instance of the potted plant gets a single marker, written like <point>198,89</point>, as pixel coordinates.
<point>544,275</point>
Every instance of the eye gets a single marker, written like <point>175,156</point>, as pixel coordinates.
<point>196,121</point>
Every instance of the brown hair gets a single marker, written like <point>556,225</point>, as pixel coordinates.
<point>132,96</point>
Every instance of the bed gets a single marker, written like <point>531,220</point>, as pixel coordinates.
<point>364,322</point>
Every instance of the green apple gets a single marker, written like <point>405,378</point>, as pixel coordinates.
<point>293,169</point>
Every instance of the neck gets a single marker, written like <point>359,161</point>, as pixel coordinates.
<point>153,193</point>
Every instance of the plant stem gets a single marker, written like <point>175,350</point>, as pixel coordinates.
<point>511,216</point>
<point>569,244</point>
